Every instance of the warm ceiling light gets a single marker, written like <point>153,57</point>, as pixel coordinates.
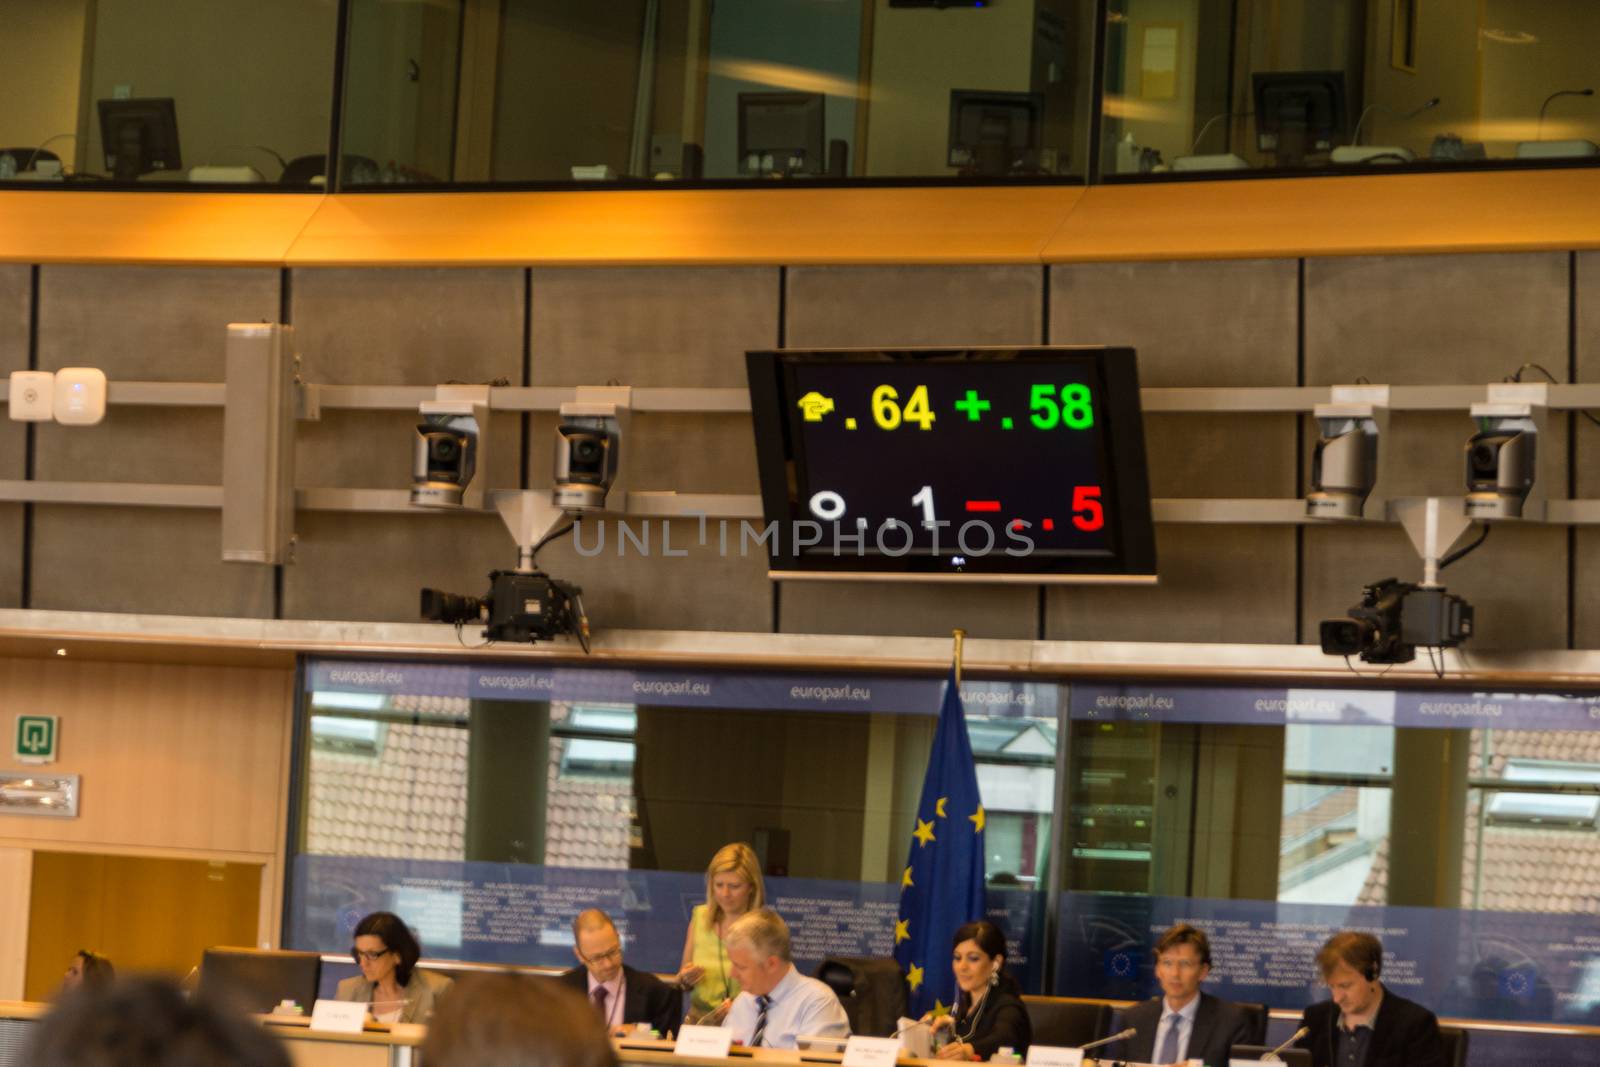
<point>61,652</point>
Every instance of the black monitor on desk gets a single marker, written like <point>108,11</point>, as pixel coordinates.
<point>782,134</point>
<point>995,133</point>
<point>258,980</point>
<point>139,136</point>
<point>1299,112</point>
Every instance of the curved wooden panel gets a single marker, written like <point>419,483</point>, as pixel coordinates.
<point>1380,215</point>
<point>216,229</point>
<point>681,227</point>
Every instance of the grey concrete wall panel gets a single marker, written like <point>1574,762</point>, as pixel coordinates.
<point>16,282</point>
<point>861,306</point>
<point>684,453</point>
<point>1218,584</point>
<point>373,567</point>
<point>1209,323</point>
<point>703,589</point>
<point>1517,580</point>
<point>143,324</point>
<point>1413,320</point>
<point>1586,563</point>
<point>135,444</point>
<point>909,610</point>
<point>651,326</point>
<point>158,561</point>
<point>1418,320</point>
<point>402,327</point>
<point>864,306</point>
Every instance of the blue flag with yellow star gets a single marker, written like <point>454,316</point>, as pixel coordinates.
<point>942,886</point>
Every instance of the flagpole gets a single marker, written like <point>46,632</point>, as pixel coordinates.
<point>960,636</point>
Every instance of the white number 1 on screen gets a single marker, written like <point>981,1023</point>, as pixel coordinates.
<point>924,500</point>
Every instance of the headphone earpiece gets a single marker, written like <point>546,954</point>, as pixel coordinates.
<point>1372,971</point>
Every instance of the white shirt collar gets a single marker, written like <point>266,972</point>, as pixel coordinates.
<point>1187,1013</point>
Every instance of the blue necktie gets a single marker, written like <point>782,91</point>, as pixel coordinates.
<point>1169,1045</point>
<point>761,1020</point>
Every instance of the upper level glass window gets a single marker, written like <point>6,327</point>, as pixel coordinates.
<point>185,91</point>
<point>544,91</point>
<point>1295,85</point>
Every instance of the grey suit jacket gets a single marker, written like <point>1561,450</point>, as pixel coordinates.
<point>422,994</point>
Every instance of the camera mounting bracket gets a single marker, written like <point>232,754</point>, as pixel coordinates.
<point>1435,525</point>
<point>530,517</point>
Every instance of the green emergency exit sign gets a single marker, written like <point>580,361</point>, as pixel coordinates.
<point>37,737</point>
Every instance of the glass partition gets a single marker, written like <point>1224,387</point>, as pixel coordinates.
<point>541,91</point>
<point>489,804</point>
<point>207,92</point>
<point>1205,87</point>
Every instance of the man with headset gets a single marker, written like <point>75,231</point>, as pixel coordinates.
<point>1365,1024</point>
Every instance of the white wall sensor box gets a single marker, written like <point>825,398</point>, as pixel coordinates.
<point>32,396</point>
<point>80,396</point>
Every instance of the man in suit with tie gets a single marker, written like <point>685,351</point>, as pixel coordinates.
<point>1184,1023</point>
<point>620,995</point>
<point>1365,1024</point>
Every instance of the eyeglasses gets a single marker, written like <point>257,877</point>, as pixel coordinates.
<point>370,957</point>
<point>607,956</point>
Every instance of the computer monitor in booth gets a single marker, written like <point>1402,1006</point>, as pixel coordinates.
<point>782,134</point>
<point>1299,113</point>
<point>139,136</point>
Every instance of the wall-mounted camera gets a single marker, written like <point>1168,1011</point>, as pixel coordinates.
<point>586,453</point>
<point>1345,465</point>
<point>449,449</point>
<point>1502,458</point>
<point>1393,618</point>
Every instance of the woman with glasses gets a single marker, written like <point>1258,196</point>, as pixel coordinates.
<point>733,888</point>
<point>389,984</point>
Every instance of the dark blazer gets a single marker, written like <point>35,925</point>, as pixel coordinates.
<point>645,998</point>
<point>1218,1026</point>
<point>1405,1034</point>
<point>1001,1022</point>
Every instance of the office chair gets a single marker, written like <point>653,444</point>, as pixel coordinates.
<point>872,991</point>
<point>1455,1045</point>
<point>1066,1023</point>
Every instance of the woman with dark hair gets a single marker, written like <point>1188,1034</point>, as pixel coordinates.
<point>88,970</point>
<point>390,984</point>
<point>988,1013</point>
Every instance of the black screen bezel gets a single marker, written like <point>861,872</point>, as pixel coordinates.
<point>1132,558</point>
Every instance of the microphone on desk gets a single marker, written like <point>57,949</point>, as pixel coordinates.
<point>1272,1057</point>
<point>1129,1032</point>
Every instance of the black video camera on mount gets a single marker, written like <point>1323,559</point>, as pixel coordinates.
<point>1393,618</point>
<point>520,606</point>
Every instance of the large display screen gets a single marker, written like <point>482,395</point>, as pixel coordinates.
<point>993,464</point>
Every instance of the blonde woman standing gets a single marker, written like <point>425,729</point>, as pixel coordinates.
<point>733,889</point>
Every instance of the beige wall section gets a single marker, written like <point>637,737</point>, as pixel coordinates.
<point>174,759</point>
<point>268,86</point>
<point>44,53</point>
<point>1586,563</point>
<point>16,888</point>
<point>918,56</point>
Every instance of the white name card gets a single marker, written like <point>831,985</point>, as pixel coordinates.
<point>711,1042</point>
<point>338,1016</point>
<point>871,1051</point>
<point>1054,1056</point>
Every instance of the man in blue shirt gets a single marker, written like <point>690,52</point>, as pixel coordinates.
<point>776,1003</point>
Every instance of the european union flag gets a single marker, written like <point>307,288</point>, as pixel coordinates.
<point>942,886</point>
